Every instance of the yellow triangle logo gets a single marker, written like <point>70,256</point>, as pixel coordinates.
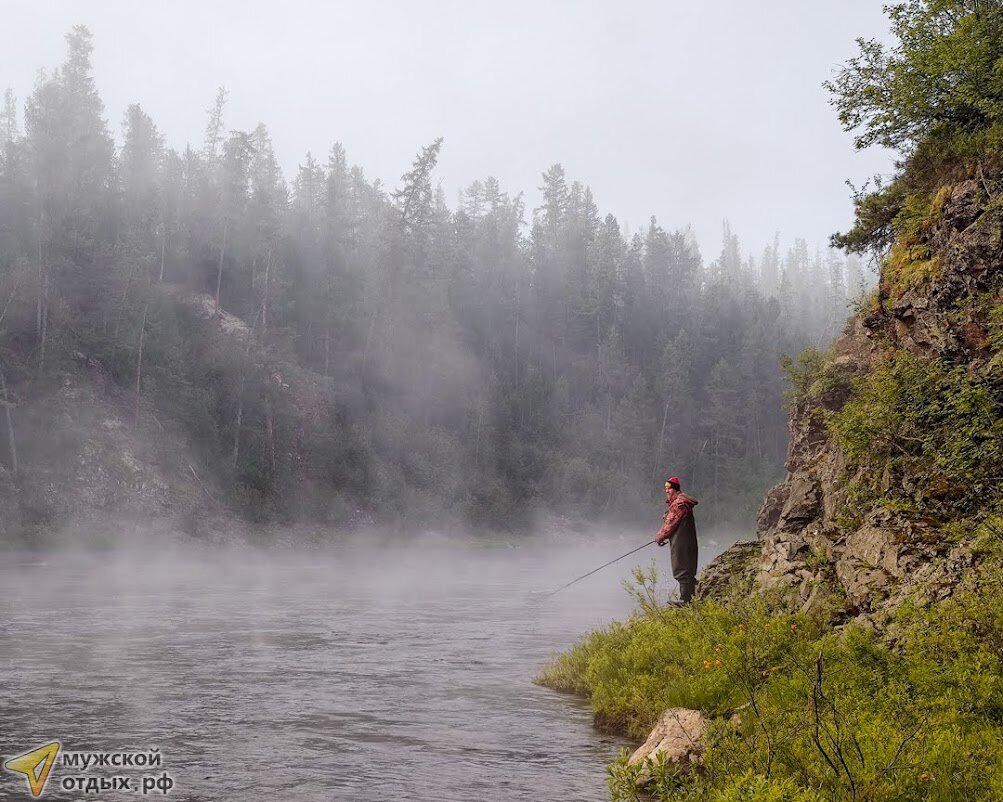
<point>35,766</point>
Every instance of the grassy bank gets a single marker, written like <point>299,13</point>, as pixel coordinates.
<point>802,710</point>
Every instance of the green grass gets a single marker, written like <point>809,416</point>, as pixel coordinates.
<point>802,712</point>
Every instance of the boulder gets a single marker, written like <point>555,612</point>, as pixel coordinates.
<point>678,736</point>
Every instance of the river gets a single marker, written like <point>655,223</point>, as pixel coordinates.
<point>344,673</point>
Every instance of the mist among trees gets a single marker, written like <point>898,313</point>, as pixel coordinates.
<point>341,350</point>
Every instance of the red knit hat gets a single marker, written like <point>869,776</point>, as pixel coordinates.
<point>673,480</point>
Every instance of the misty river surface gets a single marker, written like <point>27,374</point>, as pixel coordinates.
<point>349,673</point>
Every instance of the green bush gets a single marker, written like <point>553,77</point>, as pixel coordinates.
<point>804,713</point>
<point>929,421</point>
<point>701,656</point>
<point>932,95</point>
<point>801,373</point>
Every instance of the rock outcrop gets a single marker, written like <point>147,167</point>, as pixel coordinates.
<point>809,533</point>
<point>719,577</point>
<point>677,739</point>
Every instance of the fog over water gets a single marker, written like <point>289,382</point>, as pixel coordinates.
<point>347,673</point>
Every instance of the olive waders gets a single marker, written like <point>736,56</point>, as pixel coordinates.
<point>684,557</point>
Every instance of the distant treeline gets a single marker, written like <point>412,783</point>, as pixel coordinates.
<point>401,358</point>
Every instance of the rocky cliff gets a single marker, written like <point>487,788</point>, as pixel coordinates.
<point>847,525</point>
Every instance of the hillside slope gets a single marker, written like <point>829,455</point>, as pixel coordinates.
<point>96,464</point>
<point>88,473</point>
<point>895,453</point>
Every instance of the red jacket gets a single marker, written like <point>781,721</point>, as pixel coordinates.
<point>681,507</point>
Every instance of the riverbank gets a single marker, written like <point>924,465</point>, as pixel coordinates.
<point>801,710</point>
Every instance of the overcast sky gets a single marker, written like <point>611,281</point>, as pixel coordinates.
<point>691,112</point>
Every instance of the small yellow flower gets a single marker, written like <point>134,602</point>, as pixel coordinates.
<point>925,775</point>
<point>717,663</point>
<point>706,663</point>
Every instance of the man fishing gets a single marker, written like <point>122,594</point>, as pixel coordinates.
<point>678,526</point>
<point>680,529</point>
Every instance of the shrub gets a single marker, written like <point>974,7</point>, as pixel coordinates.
<point>932,96</point>
<point>821,714</point>
<point>929,420</point>
<point>701,657</point>
<point>801,373</point>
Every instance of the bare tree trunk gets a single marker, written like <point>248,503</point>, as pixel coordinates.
<point>240,395</point>
<point>41,273</point>
<point>41,310</point>
<point>121,305</point>
<point>477,439</point>
<point>717,465</point>
<point>518,316</point>
<point>327,345</point>
<point>41,283</point>
<point>6,306</point>
<point>219,268</point>
<point>139,360</point>
<point>240,416</point>
<point>270,429</point>
<point>45,321</point>
<point>264,295</point>
<point>11,444</point>
<point>163,251</point>
<point>661,441</point>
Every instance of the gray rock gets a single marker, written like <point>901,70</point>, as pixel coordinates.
<point>773,505</point>
<point>678,738</point>
<point>731,569</point>
<point>803,506</point>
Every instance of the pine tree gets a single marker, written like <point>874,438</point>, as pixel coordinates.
<point>414,198</point>
<point>140,163</point>
<point>725,430</point>
<point>214,130</point>
<point>70,154</point>
<point>9,130</point>
<point>233,198</point>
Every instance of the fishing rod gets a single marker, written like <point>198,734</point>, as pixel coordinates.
<point>583,576</point>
